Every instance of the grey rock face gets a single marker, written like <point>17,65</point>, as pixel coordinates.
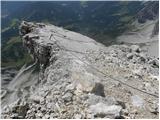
<point>40,51</point>
<point>149,12</point>
<point>71,83</point>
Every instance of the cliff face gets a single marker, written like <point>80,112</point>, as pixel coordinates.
<point>80,78</point>
<point>149,12</point>
<point>156,29</point>
<point>146,29</point>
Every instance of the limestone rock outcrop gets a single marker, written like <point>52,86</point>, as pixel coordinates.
<point>80,78</point>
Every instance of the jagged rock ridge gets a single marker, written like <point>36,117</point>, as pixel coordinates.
<point>69,86</point>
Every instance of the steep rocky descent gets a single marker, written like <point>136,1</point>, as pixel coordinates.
<point>144,35</point>
<point>146,29</point>
<point>149,12</point>
<point>81,78</point>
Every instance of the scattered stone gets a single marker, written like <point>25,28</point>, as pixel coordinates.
<point>135,48</point>
<point>50,105</point>
<point>70,87</point>
<point>154,62</point>
<point>155,111</point>
<point>137,101</point>
<point>14,116</point>
<point>125,112</point>
<point>47,116</point>
<point>130,55</point>
<point>78,116</point>
<point>43,109</point>
<point>103,110</point>
<point>67,97</point>
<point>39,115</point>
<point>37,99</point>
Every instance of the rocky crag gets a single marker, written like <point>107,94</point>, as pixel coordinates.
<point>149,12</point>
<point>80,78</point>
<point>146,29</point>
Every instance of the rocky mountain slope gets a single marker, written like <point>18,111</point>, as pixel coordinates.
<point>81,78</point>
<point>100,20</point>
<point>146,30</point>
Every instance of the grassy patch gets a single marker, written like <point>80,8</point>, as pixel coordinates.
<point>18,63</point>
<point>126,19</point>
<point>14,54</point>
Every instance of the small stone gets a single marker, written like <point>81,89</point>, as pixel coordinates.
<point>125,112</point>
<point>47,116</point>
<point>103,110</point>
<point>130,55</point>
<point>70,87</point>
<point>50,105</point>
<point>154,62</point>
<point>20,117</point>
<point>142,57</point>
<point>67,97</point>
<point>42,101</point>
<point>117,84</point>
<point>137,101</point>
<point>135,48</point>
<point>39,115</point>
<point>155,111</point>
<point>56,93</point>
<point>6,109</point>
<point>90,116</point>
<point>53,115</point>
<point>43,110</point>
<point>14,116</point>
<point>78,116</point>
<point>34,110</point>
<point>35,99</point>
<point>29,111</point>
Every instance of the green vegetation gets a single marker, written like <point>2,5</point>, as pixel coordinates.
<point>5,29</point>
<point>126,19</point>
<point>14,54</point>
<point>13,24</point>
<point>18,63</point>
<point>12,41</point>
<point>83,3</point>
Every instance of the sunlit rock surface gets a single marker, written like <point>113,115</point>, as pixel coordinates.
<point>80,78</point>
